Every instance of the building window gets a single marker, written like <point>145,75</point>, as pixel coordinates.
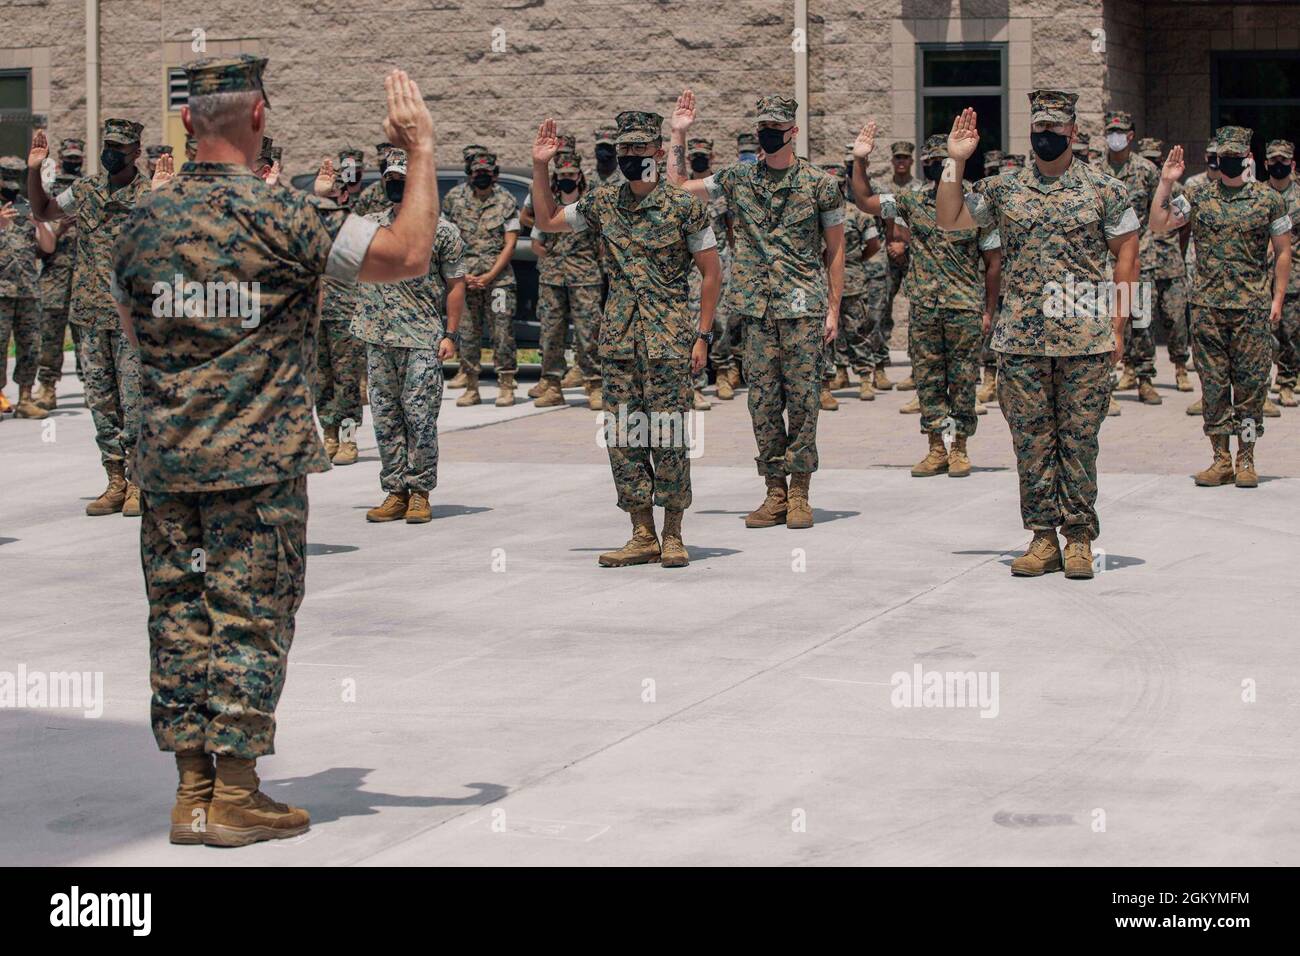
<point>1257,90</point>
<point>15,112</point>
<point>953,76</point>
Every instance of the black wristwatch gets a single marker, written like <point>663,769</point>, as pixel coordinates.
<point>707,336</point>
<point>454,336</point>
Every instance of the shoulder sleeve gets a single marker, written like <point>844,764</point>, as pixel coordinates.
<point>982,201</point>
<point>697,225</point>
<point>326,238</point>
<point>889,206</point>
<point>451,250</point>
<point>1117,209</point>
<point>512,213</point>
<point>68,199</point>
<point>582,214</point>
<point>719,184</point>
<point>989,240</point>
<point>1279,218</point>
<point>830,201</point>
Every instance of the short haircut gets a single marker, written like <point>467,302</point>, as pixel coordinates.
<point>215,114</point>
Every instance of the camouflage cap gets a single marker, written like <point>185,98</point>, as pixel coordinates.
<point>636,126</point>
<point>1081,141</point>
<point>775,108</point>
<point>936,147</point>
<point>153,152</point>
<point>381,150</point>
<point>1013,161</point>
<point>1149,147</point>
<point>482,161</point>
<point>395,161</point>
<point>473,149</point>
<point>1281,148</point>
<point>699,144</point>
<point>12,170</point>
<point>992,158</point>
<point>72,148</point>
<point>833,169</point>
<point>1052,106</point>
<point>123,132</point>
<point>351,153</point>
<point>1233,140</point>
<point>746,143</point>
<point>567,161</point>
<point>568,143</point>
<point>605,136</point>
<point>1212,148</point>
<point>902,148</point>
<point>238,74</point>
<point>1118,120</point>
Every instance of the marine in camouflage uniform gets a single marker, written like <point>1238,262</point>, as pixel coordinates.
<point>726,334</point>
<point>860,302</point>
<point>568,291</point>
<point>1234,224</point>
<point>987,391</point>
<point>901,156</point>
<point>402,337</point>
<point>786,292</point>
<point>1140,176</point>
<point>1054,373</point>
<point>372,198</point>
<point>1280,153</point>
<point>488,219</point>
<point>101,205</point>
<point>946,287</point>
<point>1163,267</point>
<point>20,294</point>
<point>650,233</point>
<point>56,285</point>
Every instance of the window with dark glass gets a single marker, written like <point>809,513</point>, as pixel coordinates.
<point>953,76</point>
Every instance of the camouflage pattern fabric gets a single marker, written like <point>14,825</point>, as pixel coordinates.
<point>1233,229</point>
<point>20,269</point>
<point>944,344</point>
<point>1052,231</point>
<point>493,309</point>
<point>1288,342</point>
<point>858,229</point>
<point>405,398</point>
<point>371,199</point>
<point>219,637</point>
<point>410,313</point>
<point>54,333</point>
<point>228,406</point>
<point>1234,355</point>
<point>101,212</point>
<point>557,306</point>
<point>572,258</point>
<point>1291,199</point>
<point>856,345</point>
<point>56,294</point>
<point>483,224</point>
<point>1054,406</point>
<point>650,466</point>
<point>946,265</point>
<point>1141,177</point>
<point>110,368</point>
<point>1169,308</point>
<point>783,361</point>
<point>340,359</point>
<point>20,318</point>
<point>722,353</point>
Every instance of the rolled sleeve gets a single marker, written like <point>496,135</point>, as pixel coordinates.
<point>349,248</point>
<point>67,201</point>
<point>704,239</point>
<point>1280,227</point>
<point>871,233</point>
<point>888,206</point>
<point>1128,222</point>
<point>1180,207</point>
<point>832,217</point>
<point>990,240</point>
<point>714,188</point>
<point>535,234</point>
<point>980,208</point>
<point>453,270</point>
<point>574,218</point>
<point>512,224</point>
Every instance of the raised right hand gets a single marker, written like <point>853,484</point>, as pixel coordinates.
<point>684,115</point>
<point>866,141</point>
<point>1174,166</point>
<point>965,136</point>
<point>40,149</point>
<point>546,143</point>
<point>324,184</point>
<point>409,124</point>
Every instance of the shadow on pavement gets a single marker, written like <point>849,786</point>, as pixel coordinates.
<point>336,793</point>
<point>318,549</point>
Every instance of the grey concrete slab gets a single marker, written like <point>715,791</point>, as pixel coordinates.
<point>516,704</point>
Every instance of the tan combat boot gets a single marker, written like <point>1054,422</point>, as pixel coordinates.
<point>1128,380</point>
<point>347,453</point>
<point>1220,471</point>
<point>829,402</point>
<point>131,502</point>
<point>880,381</point>
<point>1147,393</point>
<point>460,379</point>
<point>773,509</point>
<point>47,397</point>
<point>1113,409</point>
<point>911,408</point>
<point>980,409</point>
<point>959,465</point>
<point>26,408</point>
<point>798,511</point>
<point>1246,476</point>
<point>193,797</point>
<point>702,404</point>
<point>733,376</point>
<point>1041,557</point>
<point>551,394</point>
<point>906,385</point>
<point>417,508</point>
<point>471,396</point>
<point>393,508</point>
<point>936,460</point>
<point>537,390</point>
<point>114,496</point>
<point>572,378</point>
<point>674,551</point>
<point>1197,407</point>
<point>1180,378</point>
<point>1286,397</point>
<point>595,397</point>
<point>331,441</point>
<point>723,384</point>
<point>4,404</point>
<point>988,392</point>
<point>1270,410</point>
<point>506,390</point>
<point>641,548</point>
<point>865,392</point>
<point>840,379</point>
<point>1078,553</point>
<point>241,814</point>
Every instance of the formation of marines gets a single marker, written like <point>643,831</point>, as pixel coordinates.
<point>779,274</point>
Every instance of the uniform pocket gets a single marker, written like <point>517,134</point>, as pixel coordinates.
<point>280,562</point>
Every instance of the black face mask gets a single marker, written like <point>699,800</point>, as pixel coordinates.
<point>113,160</point>
<point>606,157</point>
<point>566,185</point>
<point>933,171</point>
<point>699,163</point>
<point>8,195</point>
<point>1047,145</point>
<point>1212,162</point>
<point>772,140</point>
<point>1232,166</point>
<point>639,168</point>
<point>72,167</point>
<point>481,180</point>
<point>1279,170</point>
<point>394,189</point>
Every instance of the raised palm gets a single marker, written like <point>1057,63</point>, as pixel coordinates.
<point>684,115</point>
<point>866,141</point>
<point>1173,168</point>
<point>546,143</point>
<point>325,178</point>
<point>40,149</point>
<point>965,136</point>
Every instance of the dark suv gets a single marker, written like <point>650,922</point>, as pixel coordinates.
<point>518,183</point>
